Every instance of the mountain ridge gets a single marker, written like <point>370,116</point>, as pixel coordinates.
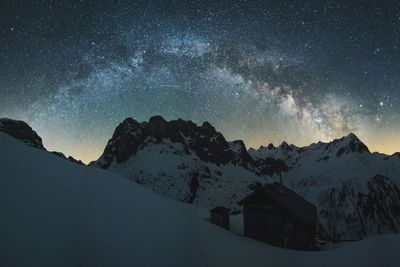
<point>22,131</point>
<point>352,187</point>
<point>64,214</point>
<point>341,175</point>
<point>204,141</point>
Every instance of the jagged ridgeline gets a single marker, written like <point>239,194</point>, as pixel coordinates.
<point>356,191</point>
<point>183,161</point>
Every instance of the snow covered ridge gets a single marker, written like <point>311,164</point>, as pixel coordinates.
<point>202,141</point>
<point>22,131</point>
<point>55,213</point>
<point>356,191</point>
<point>290,154</point>
<point>186,162</point>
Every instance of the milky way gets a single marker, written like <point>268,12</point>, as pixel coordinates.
<point>259,71</point>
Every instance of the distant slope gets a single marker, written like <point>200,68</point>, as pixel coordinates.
<point>56,213</point>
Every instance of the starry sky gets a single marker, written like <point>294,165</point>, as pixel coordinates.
<point>261,71</point>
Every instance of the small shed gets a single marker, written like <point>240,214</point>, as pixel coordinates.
<point>276,215</point>
<point>220,216</point>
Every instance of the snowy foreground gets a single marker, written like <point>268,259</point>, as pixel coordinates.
<point>57,213</point>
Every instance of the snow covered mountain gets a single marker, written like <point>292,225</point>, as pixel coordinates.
<point>56,213</point>
<point>183,161</point>
<point>356,191</point>
<point>22,131</point>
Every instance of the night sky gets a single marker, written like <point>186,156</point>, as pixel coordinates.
<point>261,71</point>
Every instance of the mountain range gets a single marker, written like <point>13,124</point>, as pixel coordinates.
<point>58,213</point>
<point>356,192</point>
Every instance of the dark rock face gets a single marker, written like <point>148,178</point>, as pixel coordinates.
<point>21,131</point>
<point>375,209</point>
<point>270,166</point>
<point>125,141</point>
<point>241,156</point>
<point>381,204</point>
<point>203,141</point>
<point>354,145</point>
<point>194,186</point>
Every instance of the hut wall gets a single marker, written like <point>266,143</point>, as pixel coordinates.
<point>296,235</point>
<point>302,238</point>
<point>220,220</point>
<point>265,223</point>
<point>262,223</point>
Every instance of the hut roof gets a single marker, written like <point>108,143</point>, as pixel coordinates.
<point>220,210</point>
<point>287,200</point>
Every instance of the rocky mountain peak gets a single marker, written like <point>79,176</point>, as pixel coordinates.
<point>128,125</point>
<point>238,146</point>
<point>350,143</point>
<point>157,122</point>
<point>208,144</point>
<point>270,146</point>
<point>204,141</point>
<point>208,126</point>
<point>22,131</point>
<point>352,136</point>
<point>286,146</point>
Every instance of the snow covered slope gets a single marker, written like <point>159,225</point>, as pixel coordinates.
<point>56,213</point>
<point>183,161</point>
<point>22,131</point>
<point>356,192</point>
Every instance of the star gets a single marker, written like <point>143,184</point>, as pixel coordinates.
<point>255,70</point>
